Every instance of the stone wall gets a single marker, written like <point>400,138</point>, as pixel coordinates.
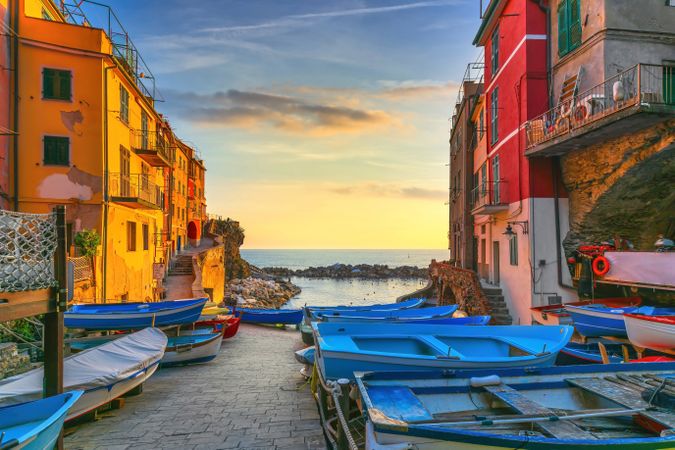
<point>458,286</point>
<point>230,234</point>
<point>209,273</point>
<point>622,187</point>
<point>11,361</point>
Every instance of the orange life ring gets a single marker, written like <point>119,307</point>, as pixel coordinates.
<point>600,266</point>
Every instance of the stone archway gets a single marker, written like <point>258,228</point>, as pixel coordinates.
<point>193,233</point>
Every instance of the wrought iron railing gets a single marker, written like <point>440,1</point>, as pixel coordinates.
<point>147,140</point>
<point>489,194</point>
<point>136,186</point>
<point>646,84</point>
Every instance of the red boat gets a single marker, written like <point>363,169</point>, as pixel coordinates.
<point>230,323</point>
<point>556,314</point>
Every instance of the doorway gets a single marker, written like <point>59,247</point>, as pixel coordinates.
<point>495,261</point>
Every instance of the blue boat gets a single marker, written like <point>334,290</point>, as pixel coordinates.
<point>576,353</point>
<point>403,316</point>
<point>129,316</point>
<point>271,316</point>
<point>596,320</point>
<point>35,425</point>
<point>589,407</point>
<point>306,355</point>
<point>406,304</point>
<point>344,348</point>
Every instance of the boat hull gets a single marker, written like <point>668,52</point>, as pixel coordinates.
<point>557,315</point>
<point>406,304</point>
<point>649,333</point>
<point>574,353</point>
<point>596,323</point>
<point>271,316</point>
<point>202,351</point>
<point>35,425</point>
<point>107,317</point>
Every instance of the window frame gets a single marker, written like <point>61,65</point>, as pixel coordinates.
<point>65,139</point>
<point>494,115</point>
<point>513,249</point>
<point>59,72</point>
<point>569,26</point>
<point>131,236</point>
<point>124,104</point>
<point>145,234</point>
<point>494,52</point>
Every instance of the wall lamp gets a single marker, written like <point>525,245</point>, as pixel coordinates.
<point>523,224</point>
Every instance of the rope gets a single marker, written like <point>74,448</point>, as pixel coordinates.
<point>336,394</point>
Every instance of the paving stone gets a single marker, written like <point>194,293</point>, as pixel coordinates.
<point>250,397</point>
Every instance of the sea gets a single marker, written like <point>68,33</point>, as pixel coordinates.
<point>328,291</point>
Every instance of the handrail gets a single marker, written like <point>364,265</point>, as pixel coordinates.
<point>492,193</point>
<point>642,84</point>
<point>136,185</point>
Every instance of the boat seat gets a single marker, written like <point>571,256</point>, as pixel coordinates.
<point>399,402</point>
<point>560,429</point>
<point>624,396</point>
<point>444,349</point>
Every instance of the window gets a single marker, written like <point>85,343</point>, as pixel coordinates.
<point>569,26</point>
<point>124,104</point>
<point>144,129</point>
<point>146,239</point>
<point>481,129</point>
<point>494,106</point>
<point>131,236</point>
<point>56,84</point>
<point>494,55</point>
<point>495,180</point>
<point>513,250</point>
<point>125,172</point>
<point>56,151</point>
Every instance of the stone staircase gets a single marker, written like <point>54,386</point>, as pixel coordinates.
<point>182,265</point>
<point>498,308</point>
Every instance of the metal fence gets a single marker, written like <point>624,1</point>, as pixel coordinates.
<point>489,194</point>
<point>641,84</point>
<point>155,141</point>
<point>27,246</point>
<point>136,186</point>
<point>83,269</point>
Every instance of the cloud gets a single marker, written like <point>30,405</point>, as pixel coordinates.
<point>303,19</point>
<point>390,190</point>
<point>412,89</point>
<point>292,114</point>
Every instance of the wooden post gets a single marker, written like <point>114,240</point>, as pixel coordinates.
<point>343,442</point>
<point>53,333</point>
<point>603,353</point>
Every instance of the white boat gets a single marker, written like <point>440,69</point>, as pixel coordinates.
<point>654,332</point>
<point>103,373</point>
<point>192,349</point>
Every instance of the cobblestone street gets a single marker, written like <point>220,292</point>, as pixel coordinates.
<point>251,397</point>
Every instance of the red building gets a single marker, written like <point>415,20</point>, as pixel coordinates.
<point>518,204</point>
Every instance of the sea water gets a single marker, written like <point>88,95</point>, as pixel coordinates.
<point>329,291</point>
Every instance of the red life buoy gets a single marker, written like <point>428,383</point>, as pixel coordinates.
<point>600,266</point>
<point>580,113</point>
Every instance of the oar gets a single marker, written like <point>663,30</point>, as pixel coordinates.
<point>534,419</point>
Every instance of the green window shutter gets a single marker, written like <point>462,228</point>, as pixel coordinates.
<point>48,76</point>
<point>574,25</point>
<point>49,150</point>
<point>56,151</point>
<point>563,48</point>
<point>64,85</point>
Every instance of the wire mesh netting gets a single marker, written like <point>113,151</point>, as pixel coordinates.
<point>27,246</point>
<point>83,269</point>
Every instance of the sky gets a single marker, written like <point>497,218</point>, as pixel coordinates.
<point>323,124</point>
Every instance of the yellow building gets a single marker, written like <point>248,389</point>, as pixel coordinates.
<point>178,195</point>
<point>196,199</point>
<point>90,138</point>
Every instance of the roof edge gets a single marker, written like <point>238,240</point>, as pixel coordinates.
<point>479,39</point>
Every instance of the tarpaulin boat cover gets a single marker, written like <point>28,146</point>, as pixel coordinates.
<point>641,268</point>
<point>98,367</point>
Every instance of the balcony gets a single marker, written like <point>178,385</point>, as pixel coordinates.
<point>152,147</point>
<point>630,101</point>
<point>135,191</point>
<point>489,198</point>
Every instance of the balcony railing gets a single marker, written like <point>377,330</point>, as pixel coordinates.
<point>152,146</point>
<point>644,85</point>
<point>489,197</point>
<point>135,190</point>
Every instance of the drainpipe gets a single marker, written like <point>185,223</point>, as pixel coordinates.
<point>104,265</point>
<point>15,101</point>
<point>556,195</point>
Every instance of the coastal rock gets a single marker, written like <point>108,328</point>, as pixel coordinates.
<point>259,292</point>
<point>371,271</point>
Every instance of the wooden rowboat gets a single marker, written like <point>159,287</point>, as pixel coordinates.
<point>609,407</point>
<point>129,316</point>
<point>439,313</point>
<point>654,332</point>
<point>271,316</point>
<point>558,315</point>
<point>35,425</point>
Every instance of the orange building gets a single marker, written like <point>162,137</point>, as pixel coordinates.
<point>99,146</point>
<point>5,102</point>
<point>196,199</point>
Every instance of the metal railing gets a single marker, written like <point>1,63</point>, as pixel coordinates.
<point>136,186</point>
<point>489,194</point>
<point>147,140</point>
<point>641,84</point>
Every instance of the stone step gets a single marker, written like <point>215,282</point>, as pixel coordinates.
<point>492,291</point>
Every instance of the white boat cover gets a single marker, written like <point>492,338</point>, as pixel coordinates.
<point>98,367</point>
<point>641,268</point>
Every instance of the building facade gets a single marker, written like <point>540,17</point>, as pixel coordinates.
<point>517,197</point>
<point>463,138</point>
<point>196,199</point>
<point>100,147</point>
<point>6,101</point>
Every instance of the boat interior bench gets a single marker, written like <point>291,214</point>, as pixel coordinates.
<point>518,402</point>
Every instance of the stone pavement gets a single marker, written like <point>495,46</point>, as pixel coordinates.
<point>251,396</point>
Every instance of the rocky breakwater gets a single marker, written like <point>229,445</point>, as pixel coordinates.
<point>259,293</point>
<point>372,271</point>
